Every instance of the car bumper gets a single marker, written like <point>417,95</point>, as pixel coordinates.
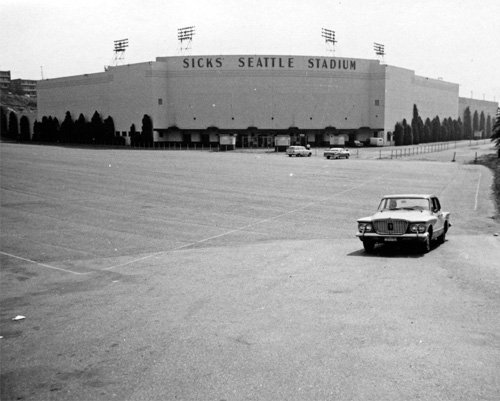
<point>392,238</point>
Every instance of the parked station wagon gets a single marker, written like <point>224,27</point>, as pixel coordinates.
<point>416,219</point>
<point>298,151</point>
<point>337,153</point>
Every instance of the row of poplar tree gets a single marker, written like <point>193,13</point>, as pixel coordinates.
<point>436,130</point>
<point>96,131</point>
<point>99,131</point>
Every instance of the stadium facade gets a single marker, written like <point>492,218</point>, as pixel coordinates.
<point>256,100</point>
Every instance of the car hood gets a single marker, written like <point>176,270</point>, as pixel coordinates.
<point>410,215</point>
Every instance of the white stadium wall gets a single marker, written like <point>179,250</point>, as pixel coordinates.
<point>251,93</point>
<point>268,92</point>
<point>487,107</point>
<point>404,89</point>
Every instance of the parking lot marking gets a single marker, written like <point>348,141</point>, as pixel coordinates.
<point>243,228</point>
<point>42,264</point>
<point>477,191</point>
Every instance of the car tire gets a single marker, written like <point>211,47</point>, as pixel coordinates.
<point>368,245</point>
<point>309,155</point>
<point>289,155</point>
<point>426,245</point>
<point>442,237</point>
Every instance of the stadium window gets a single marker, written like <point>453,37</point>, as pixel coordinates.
<point>160,101</point>
<point>377,102</point>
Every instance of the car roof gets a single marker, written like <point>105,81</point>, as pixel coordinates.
<point>420,196</point>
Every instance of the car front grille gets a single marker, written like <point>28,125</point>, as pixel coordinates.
<point>390,226</point>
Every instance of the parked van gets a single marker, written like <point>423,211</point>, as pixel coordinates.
<point>376,141</point>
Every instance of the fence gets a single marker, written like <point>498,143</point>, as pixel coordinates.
<point>397,152</point>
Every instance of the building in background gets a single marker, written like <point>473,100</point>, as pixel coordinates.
<point>256,100</point>
<point>4,80</point>
<point>24,87</point>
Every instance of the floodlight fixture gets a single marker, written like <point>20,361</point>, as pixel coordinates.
<point>329,36</point>
<point>379,49</point>
<point>120,47</point>
<point>185,35</point>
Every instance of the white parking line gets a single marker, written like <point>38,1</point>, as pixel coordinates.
<point>477,191</point>
<point>243,228</point>
<point>42,264</point>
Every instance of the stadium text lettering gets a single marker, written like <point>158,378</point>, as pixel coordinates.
<point>331,64</point>
<point>265,62</point>
<point>269,62</point>
<point>202,62</point>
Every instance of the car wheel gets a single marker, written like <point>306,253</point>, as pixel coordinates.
<point>309,155</point>
<point>289,155</point>
<point>368,245</point>
<point>442,237</point>
<point>347,157</point>
<point>426,245</point>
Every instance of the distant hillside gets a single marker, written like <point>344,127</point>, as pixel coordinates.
<point>20,104</point>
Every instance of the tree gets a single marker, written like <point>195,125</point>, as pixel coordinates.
<point>436,129</point>
<point>81,129</point>
<point>36,131</point>
<point>415,126</point>
<point>398,134</point>
<point>445,130</point>
<point>96,129</point>
<point>420,127</point>
<point>460,129</point>
<point>67,129</point>
<point>24,125</point>
<point>407,138</point>
<point>428,130</point>
<point>109,131</point>
<point>488,126</point>
<point>3,121</point>
<point>467,124</point>
<point>482,124</point>
<point>134,136</point>
<point>147,129</point>
<point>55,129</point>
<point>475,122</point>
<point>495,137</point>
<point>13,130</point>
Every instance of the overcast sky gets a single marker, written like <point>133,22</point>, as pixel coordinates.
<point>456,40</point>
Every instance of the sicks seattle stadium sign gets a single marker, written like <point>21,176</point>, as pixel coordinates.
<point>268,62</point>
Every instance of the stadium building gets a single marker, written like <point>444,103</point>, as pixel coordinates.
<point>256,100</point>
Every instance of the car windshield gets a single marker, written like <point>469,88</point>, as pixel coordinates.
<point>404,204</point>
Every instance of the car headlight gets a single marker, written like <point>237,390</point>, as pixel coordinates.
<point>418,228</point>
<point>365,227</point>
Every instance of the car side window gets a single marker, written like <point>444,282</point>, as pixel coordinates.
<point>435,205</point>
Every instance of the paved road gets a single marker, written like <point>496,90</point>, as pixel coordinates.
<point>237,276</point>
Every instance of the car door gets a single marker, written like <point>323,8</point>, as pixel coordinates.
<point>438,213</point>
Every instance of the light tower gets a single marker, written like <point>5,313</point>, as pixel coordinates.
<point>185,35</point>
<point>120,46</point>
<point>379,51</point>
<point>330,41</point>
